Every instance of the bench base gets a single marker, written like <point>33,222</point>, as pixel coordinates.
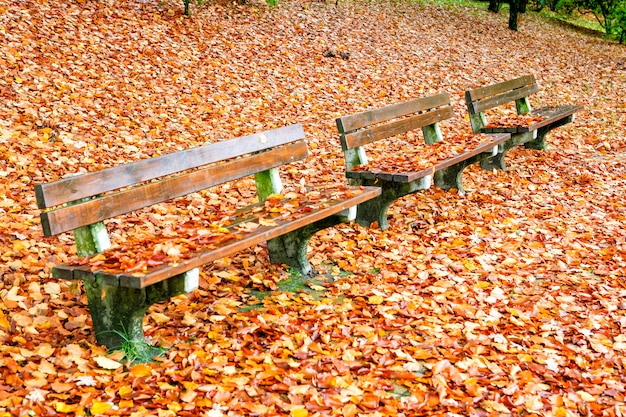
<point>375,210</point>
<point>117,312</point>
<point>532,137</point>
<point>291,248</point>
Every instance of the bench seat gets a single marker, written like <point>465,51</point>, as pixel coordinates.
<point>528,127</point>
<point>195,245</point>
<point>538,118</point>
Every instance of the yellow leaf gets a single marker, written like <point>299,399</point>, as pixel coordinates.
<point>160,318</point>
<point>125,391</point>
<point>375,299</point>
<point>585,396</point>
<point>45,350</point>
<point>126,404</point>
<point>106,363</point>
<point>99,407</point>
<point>61,407</point>
<point>267,222</point>
<point>470,264</point>
<point>299,412</point>
<point>4,322</point>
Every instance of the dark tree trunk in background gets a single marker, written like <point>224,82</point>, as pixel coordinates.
<point>515,4</point>
<point>494,6</point>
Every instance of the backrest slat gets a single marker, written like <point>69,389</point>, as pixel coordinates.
<point>366,127</point>
<point>485,98</point>
<point>92,211</point>
<point>365,136</point>
<point>495,101</point>
<point>94,183</point>
<point>356,121</point>
<point>502,87</point>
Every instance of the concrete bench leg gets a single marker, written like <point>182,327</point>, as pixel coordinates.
<point>291,248</point>
<point>375,210</point>
<point>497,161</point>
<point>117,312</point>
<point>539,143</point>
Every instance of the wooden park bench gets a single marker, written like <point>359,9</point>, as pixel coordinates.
<point>122,281</point>
<point>402,166</point>
<point>527,127</point>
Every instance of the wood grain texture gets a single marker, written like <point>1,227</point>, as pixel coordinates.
<point>496,100</point>
<point>356,121</point>
<point>94,183</point>
<point>368,135</point>
<point>502,87</point>
<point>110,205</point>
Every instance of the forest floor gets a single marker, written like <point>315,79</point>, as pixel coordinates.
<point>508,299</point>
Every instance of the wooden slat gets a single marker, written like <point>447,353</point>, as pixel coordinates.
<point>497,100</point>
<point>356,121</point>
<point>89,184</point>
<point>260,234</point>
<point>71,217</point>
<point>551,114</point>
<point>396,127</point>
<point>502,87</point>
<point>494,140</point>
<point>405,177</point>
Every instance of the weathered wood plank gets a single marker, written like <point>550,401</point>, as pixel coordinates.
<point>551,114</point>
<point>356,121</point>
<point>94,183</point>
<point>494,140</point>
<point>502,87</point>
<point>71,217</point>
<point>365,136</point>
<point>490,102</point>
<point>405,177</point>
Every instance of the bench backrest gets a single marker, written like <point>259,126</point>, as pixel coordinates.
<point>363,128</point>
<point>482,99</point>
<point>485,98</point>
<point>86,199</point>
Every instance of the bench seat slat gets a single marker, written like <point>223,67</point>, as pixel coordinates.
<point>494,140</point>
<point>92,211</point>
<point>551,114</point>
<point>109,179</point>
<point>407,177</point>
<point>258,235</point>
<point>365,136</point>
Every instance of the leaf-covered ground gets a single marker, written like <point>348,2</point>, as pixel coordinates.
<point>507,300</point>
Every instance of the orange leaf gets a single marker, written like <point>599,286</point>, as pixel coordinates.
<point>140,370</point>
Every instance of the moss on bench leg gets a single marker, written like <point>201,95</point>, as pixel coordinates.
<point>117,312</point>
<point>539,142</point>
<point>375,210</point>
<point>451,177</point>
<point>497,161</point>
<point>291,248</point>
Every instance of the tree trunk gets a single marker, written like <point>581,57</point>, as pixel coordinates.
<point>514,9</point>
<point>494,6</point>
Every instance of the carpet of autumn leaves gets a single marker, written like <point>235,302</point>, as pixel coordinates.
<point>507,300</point>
